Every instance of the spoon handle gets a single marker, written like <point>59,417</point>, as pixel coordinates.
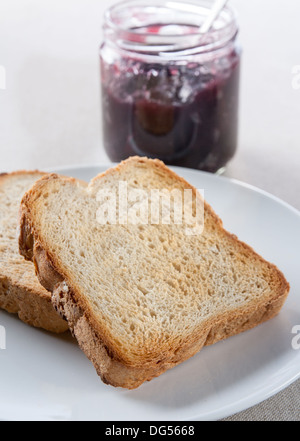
<point>215,11</point>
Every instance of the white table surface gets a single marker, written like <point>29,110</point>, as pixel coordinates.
<point>50,112</point>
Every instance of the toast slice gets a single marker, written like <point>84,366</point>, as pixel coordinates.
<point>20,290</point>
<point>142,297</point>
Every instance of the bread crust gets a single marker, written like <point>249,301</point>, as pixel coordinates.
<point>114,368</point>
<point>27,298</point>
<point>33,307</point>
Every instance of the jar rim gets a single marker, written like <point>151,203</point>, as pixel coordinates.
<point>130,25</point>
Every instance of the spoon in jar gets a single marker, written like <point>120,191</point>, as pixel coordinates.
<point>218,6</point>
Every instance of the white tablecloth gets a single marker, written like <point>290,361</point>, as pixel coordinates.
<point>50,112</point>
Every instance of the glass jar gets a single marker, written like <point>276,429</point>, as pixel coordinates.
<point>168,91</point>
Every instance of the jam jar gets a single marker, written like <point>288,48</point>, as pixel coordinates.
<point>168,90</point>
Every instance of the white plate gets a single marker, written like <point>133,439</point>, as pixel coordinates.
<point>47,377</point>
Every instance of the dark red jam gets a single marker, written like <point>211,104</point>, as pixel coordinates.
<point>184,113</point>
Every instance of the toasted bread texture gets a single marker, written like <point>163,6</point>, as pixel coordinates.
<point>142,297</point>
<point>20,291</point>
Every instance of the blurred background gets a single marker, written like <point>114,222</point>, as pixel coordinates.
<point>50,107</point>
